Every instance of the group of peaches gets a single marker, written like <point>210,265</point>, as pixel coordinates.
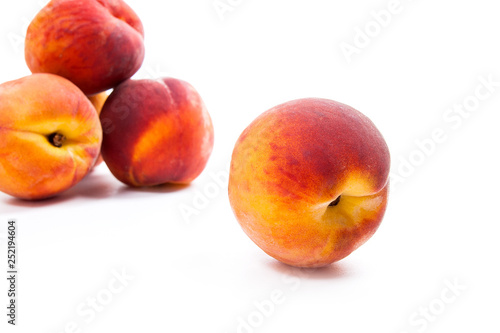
<point>56,122</point>
<point>308,179</point>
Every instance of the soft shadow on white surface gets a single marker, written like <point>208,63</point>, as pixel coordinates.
<point>165,188</point>
<point>93,186</point>
<point>334,271</point>
<point>98,184</point>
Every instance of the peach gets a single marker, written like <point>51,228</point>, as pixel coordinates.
<point>156,132</point>
<point>98,101</point>
<point>50,136</point>
<point>309,181</point>
<point>96,44</point>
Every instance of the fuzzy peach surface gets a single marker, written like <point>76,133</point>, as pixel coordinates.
<point>31,109</point>
<point>156,132</point>
<point>98,101</point>
<point>95,44</point>
<point>291,163</point>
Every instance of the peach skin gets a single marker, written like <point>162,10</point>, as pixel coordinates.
<point>309,181</point>
<point>98,101</point>
<point>156,132</point>
<point>50,136</point>
<point>96,44</point>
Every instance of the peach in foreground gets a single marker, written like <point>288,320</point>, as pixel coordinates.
<point>309,181</point>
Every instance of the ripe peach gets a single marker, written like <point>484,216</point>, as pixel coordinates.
<point>309,181</point>
<point>96,44</point>
<point>49,136</point>
<point>156,132</point>
<point>98,101</point>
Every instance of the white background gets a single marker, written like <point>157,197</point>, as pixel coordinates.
<point>201,273</point>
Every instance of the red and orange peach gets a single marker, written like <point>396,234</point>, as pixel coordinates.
<point>95,44</point>
<point>309,181</point>
<point>50,136</point>
<point>156,132</point>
